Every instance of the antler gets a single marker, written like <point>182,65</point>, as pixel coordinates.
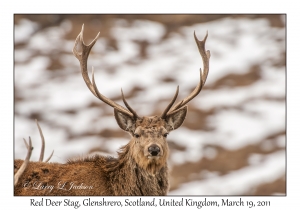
<point>29,151</point>
<point>205,54</point>
<point>83,57</point>
<point>25,163</point>
<point>43,145</point>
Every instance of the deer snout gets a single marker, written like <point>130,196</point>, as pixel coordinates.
<point>154,150</point>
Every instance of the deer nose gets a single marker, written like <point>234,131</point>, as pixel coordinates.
<point>154,150</point>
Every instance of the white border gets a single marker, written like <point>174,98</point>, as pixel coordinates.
<point>188,6</point>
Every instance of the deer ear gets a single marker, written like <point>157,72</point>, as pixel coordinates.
<point>175,119</point>
<point>126,122</point>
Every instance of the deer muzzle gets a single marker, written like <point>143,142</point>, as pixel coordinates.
<point>154,150</point>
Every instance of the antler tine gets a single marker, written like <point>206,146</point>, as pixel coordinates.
<point>43,142</point>
<point>205,54</point>
<point>108,101</point>
<point>46,161</point>
<point>25,163</point>
<point>26,144</point>
<point>83,57</point>
<point>164,114</point>
<point>129,107</point>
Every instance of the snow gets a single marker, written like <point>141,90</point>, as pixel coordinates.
<point>239,181</point>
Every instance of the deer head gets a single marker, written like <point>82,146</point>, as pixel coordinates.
<point>148,143</point>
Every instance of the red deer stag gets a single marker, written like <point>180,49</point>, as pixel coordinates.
<point>141,165</point>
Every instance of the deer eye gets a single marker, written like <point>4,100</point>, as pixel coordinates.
<point>165,135</point>
<point>136,135</point>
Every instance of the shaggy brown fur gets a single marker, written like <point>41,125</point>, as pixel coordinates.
<point>133,172</point>
<point>94,176</point>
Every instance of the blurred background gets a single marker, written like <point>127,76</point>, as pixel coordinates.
<point>233,140</point>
